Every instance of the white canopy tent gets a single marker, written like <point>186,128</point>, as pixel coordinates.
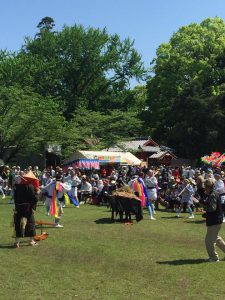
<point>105,157</point>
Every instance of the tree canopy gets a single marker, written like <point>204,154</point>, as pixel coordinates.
<point>76,83</point>
<point>84,67</point>
<point>185,95</point>
<point>28,121</point>
<point>67,78</point>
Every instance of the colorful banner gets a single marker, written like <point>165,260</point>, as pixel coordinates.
<point>109,159</point>
<point>83,163</point>
<point>215,159</point>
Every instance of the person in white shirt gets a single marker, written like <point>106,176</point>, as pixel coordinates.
<point>151,184</point>
<point>219,184</point>
<point>191,173</point>
<point>47,191</point>
<point>1,187</point>
<point>85,190</point>
<point>74,181</point>
<point>220,190</point>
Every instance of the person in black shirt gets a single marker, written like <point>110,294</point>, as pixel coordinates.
<point>214,220</point>
<point>25,197</point>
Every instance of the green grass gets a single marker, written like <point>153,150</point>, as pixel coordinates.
<point>92,258</point>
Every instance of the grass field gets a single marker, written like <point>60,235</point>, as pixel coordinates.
<point>92,258</point>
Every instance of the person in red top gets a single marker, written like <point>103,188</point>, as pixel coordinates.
<point>103,172</point>
<point>176,173</point>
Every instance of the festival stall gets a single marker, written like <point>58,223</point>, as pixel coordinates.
<point>90,160</point>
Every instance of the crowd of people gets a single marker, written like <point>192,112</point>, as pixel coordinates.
<point>175,189</point>
<point>172,188</point>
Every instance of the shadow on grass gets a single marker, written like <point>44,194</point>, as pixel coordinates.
<point>45,227</point>
<point>180,262</point>
<point>196,221</point>
<point>172,217</point>
<point>106,221</point>
<point>7,246</point>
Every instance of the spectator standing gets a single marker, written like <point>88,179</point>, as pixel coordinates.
<point>1,187</point>
<point>214,219</point>
<point>186,197</point>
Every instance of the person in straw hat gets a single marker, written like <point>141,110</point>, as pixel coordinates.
<point>25,197</point>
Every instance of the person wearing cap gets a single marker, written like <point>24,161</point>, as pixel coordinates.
<point>186,194</point>
<point>209,174</point>
<point>214,220</point>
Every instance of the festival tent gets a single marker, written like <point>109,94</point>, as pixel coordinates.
<point>93,159</point>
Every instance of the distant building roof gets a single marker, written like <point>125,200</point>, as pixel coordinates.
<point>150,149</point>
<point>135,145</point>
<point>161,154</point>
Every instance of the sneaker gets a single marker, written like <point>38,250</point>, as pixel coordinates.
<point>213,260</point>
<point>33,243</point>
<point>224,220</point>
<point>152,218</point>
<point>178,216</point>
<point>58,226</point>
<point>16,245</point>
<point>191,217</point>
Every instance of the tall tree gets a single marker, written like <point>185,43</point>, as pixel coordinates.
<point>103,129</point>
<point>46,23</point>
<point>85,67</point>
<point>183,93</point>
<point>28,122</point>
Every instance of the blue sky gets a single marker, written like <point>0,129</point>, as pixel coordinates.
<point>148,22</point>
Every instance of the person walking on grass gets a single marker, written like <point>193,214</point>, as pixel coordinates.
<point>186,197</point>
<point>214,220</point>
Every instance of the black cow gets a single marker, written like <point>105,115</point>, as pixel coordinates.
<point>128,205</point>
